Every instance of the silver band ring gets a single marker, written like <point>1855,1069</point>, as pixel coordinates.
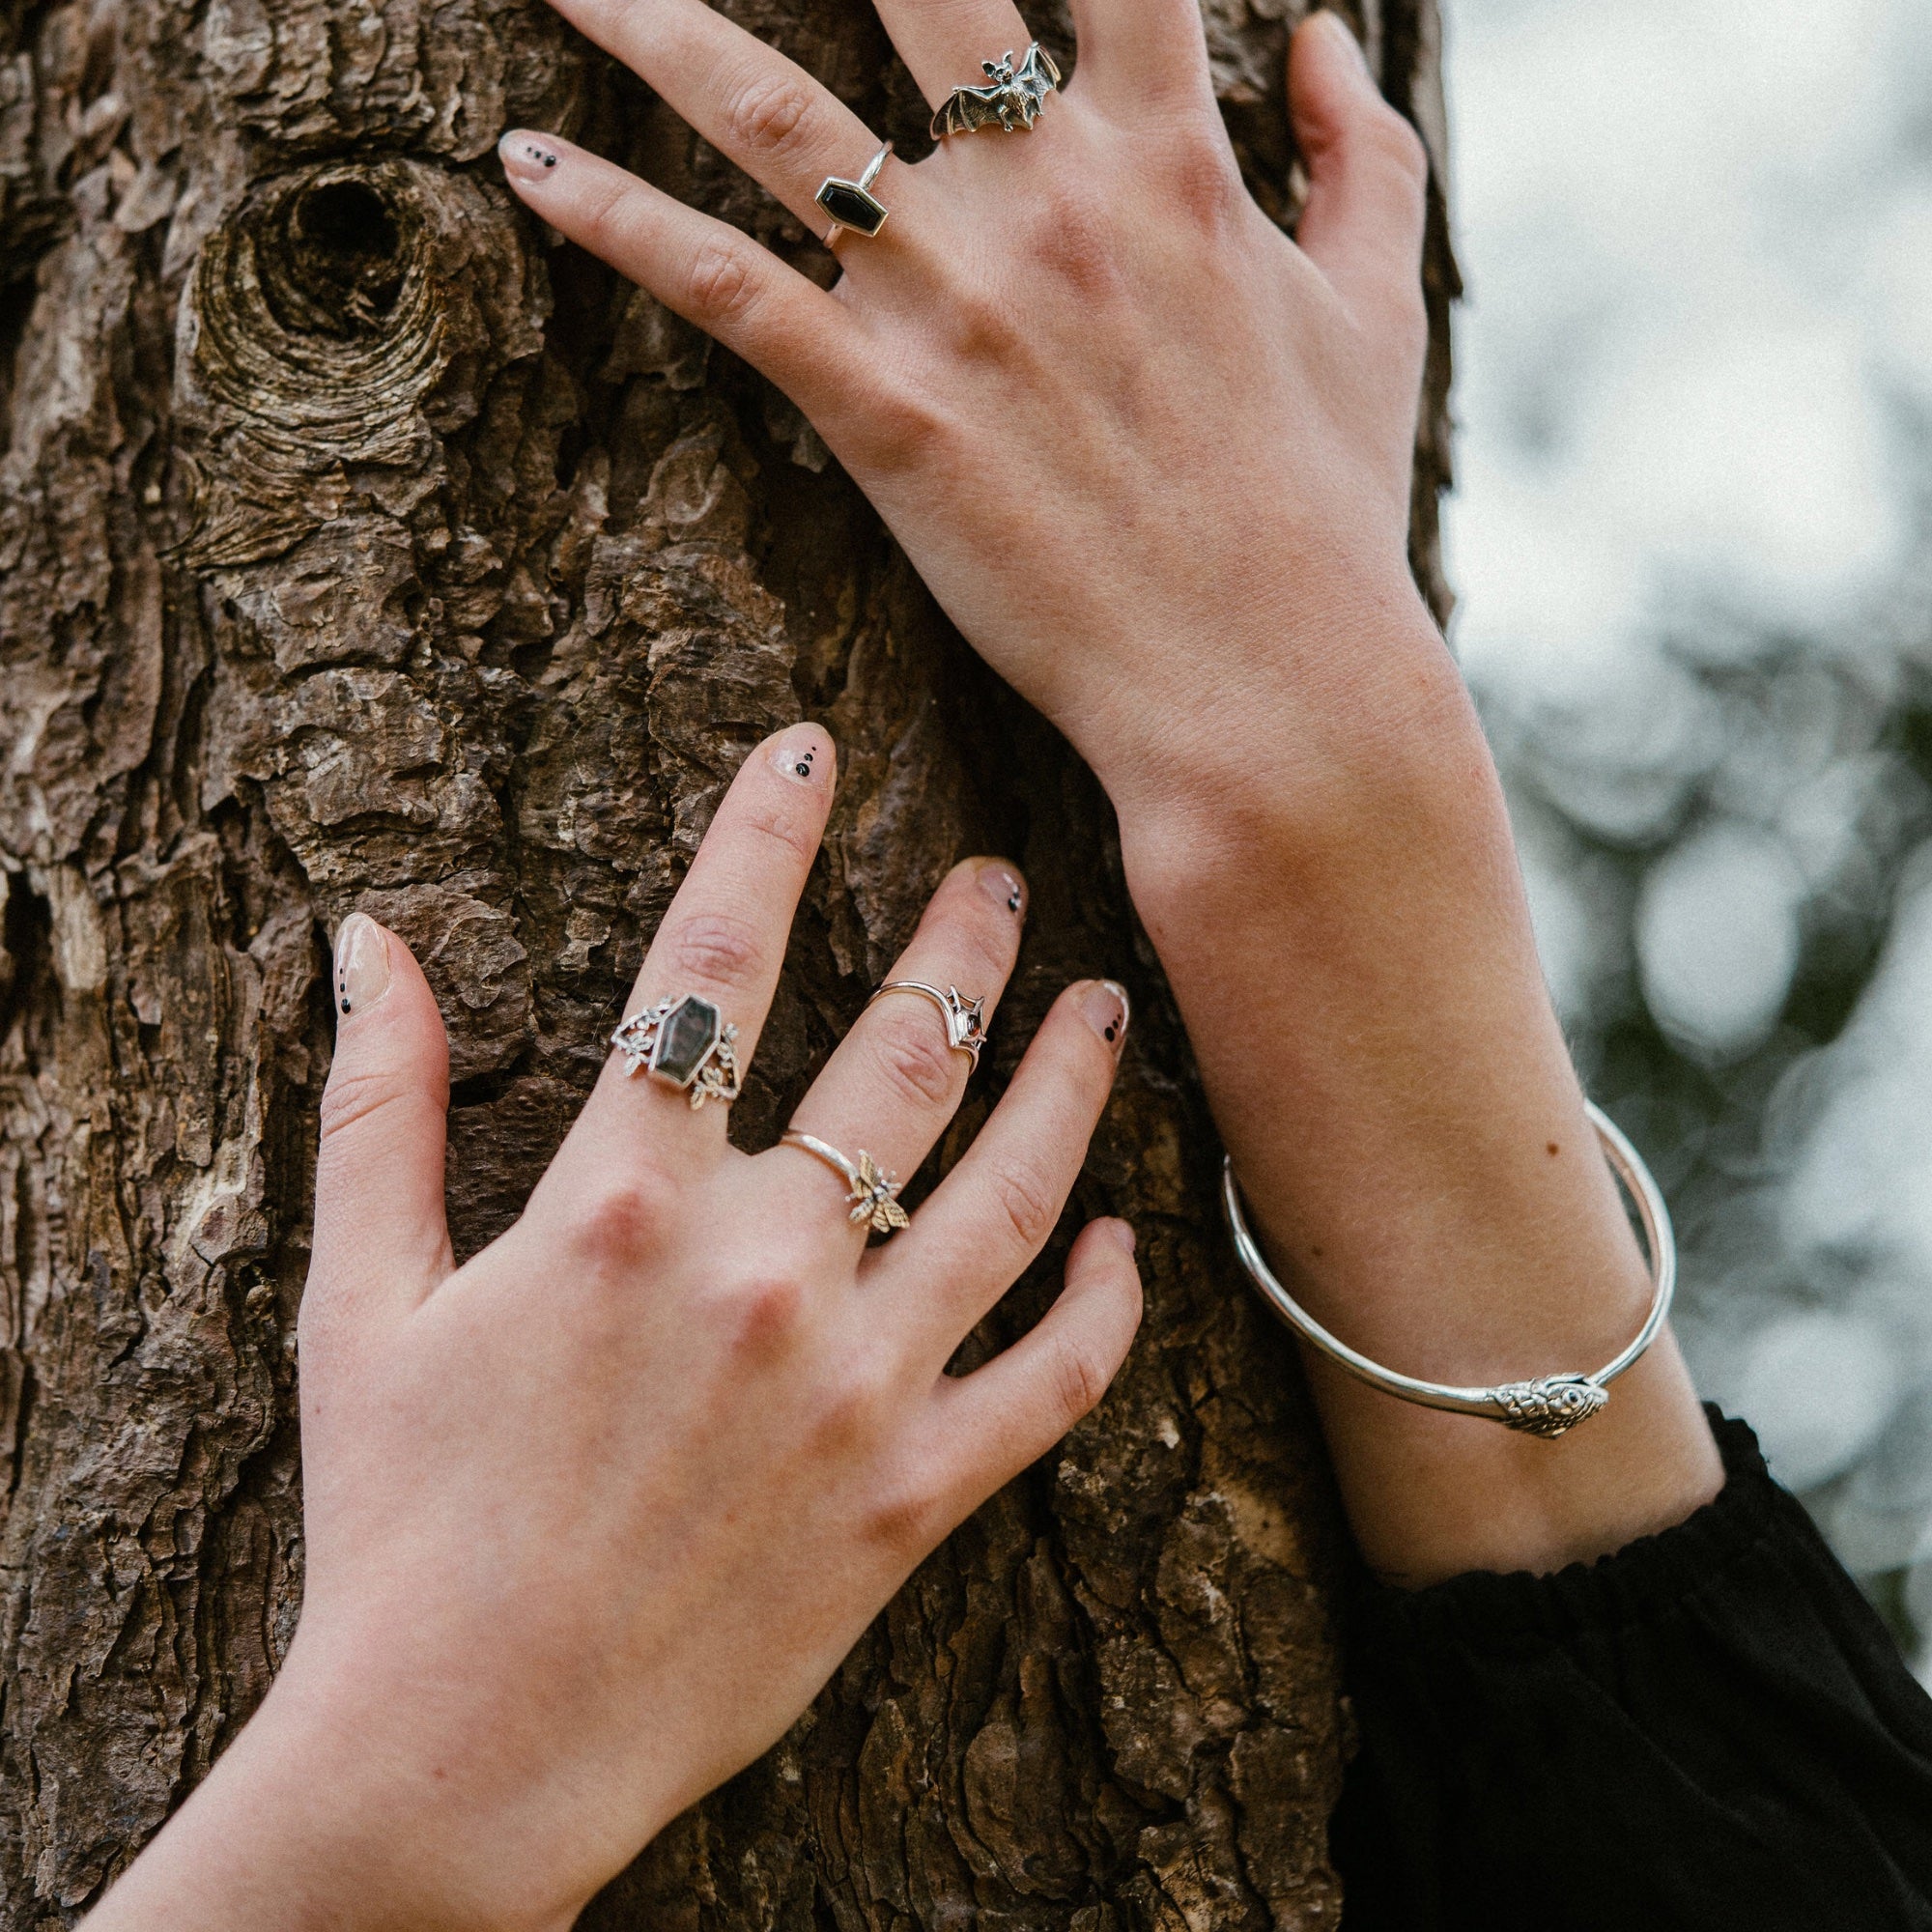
<point>965,1028</point>
<point>853,204</point>
<point>874,1194</point>
<point>687,1043</point>
<point>1011,101</point>
<point>1548,1404</point>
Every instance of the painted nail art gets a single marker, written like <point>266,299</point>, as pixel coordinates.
<point>361,964</point>
<point>527,156</point>
<point>1104,1006</point>
<point>1001,883</point>
<point>797,759</point>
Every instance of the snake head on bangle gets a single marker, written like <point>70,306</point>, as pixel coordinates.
<point>1551,1404</point>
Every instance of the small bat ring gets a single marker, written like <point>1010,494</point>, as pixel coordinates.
<point>1011,100</point>
<point>853,204</point>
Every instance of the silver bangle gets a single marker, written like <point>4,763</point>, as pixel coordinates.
<point>1550,1404</point>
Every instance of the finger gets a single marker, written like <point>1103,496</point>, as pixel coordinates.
<point>751,104</point>
<point>381,1240</point>
<point>804,339</point>
<point>723,937</point>
<point>993,1213</point>
<point>1134,53</point>
<point>894,1082</point>
<point>981,1430</point>
<point>1367,175</point>
<point>944,42</point>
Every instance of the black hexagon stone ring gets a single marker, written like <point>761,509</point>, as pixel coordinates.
<point>853,204</point>
<point>687,1043</point>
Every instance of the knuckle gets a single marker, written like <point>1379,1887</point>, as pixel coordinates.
<point>718,946</point>
<point>854,1410</point>
<point>1030,1205</point>
<point>904,429</point>
<point>1200,175</point>
<point>903,1512</point>
<point>765,1312</point>
<point>603,221</point>
<point>720,282</point>
<point>985,327</point>
<point>771,117</point>
<point>350,1097</point>
<point>915,1059</point>
<point>619,1224</point>
<point>795,836</point>
<point>1079,1380</point>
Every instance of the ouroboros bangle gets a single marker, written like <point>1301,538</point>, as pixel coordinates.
<point>1546,1406</point>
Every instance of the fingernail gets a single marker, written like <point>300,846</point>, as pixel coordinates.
<point>1122,1234</point>
<point>1339,29</point>
<point>530,157</point>
<point>1104,1005</point>
<point>999,881</point>
<point>361,963</point>
<point>803,757</point>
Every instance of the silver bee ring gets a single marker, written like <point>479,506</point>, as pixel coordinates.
<point>1012,98</point>
<point>687,1043</point>
<point>874,1194</point>
<point>965,1019</point>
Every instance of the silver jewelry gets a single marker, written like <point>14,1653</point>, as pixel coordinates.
<point>965,1030</point>
<point>853,204</point>
<point>1550,1404</point>
<point>1014,100</point>
<point>872,1193</point>
<point>686,1043</point>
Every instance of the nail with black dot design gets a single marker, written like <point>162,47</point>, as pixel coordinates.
<point>361,963</point>
<point>525,158</point>
<point>794,752</point>
<point>1104,1005</point>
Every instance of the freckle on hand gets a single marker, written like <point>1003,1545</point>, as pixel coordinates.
<point>1555,1149</point>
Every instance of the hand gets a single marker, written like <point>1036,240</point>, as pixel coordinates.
<point>1151,456</point>
<point>591,1518</point>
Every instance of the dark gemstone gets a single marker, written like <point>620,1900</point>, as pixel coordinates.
<point>689,1031</point>
<point>851,207</point>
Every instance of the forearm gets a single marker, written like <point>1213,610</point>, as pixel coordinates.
<point>311,1823</point>
<point>1353,955</point>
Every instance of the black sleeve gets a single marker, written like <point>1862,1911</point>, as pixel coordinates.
<point>1710,1729</point>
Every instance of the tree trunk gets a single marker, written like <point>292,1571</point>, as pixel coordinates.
<point>362,547</point>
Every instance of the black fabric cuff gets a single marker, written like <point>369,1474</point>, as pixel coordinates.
<point>1654,1575</point>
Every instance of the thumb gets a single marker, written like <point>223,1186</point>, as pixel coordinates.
<point>1367,174</point>
<point>381,1240</point>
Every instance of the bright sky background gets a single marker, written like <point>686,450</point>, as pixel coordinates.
<point>1697,236</point>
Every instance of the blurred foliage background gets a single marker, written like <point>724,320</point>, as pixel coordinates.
<point>1692,539</point>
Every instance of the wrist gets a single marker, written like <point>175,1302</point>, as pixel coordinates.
<point>1313,784</point>
<point>307,1820</point>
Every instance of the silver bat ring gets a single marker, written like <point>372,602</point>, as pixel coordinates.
<point>1013,99</point>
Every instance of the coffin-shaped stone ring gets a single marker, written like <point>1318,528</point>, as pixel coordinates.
<point>853,204</point>
<point>686,1043</point>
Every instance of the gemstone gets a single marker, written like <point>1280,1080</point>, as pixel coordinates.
<point>851,207</point>
<point>686,1035</point>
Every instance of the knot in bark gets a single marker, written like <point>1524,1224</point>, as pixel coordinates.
<point>344,317</point>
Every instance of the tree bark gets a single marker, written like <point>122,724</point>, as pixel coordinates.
<point>358,546</point>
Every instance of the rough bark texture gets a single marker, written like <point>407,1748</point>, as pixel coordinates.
<point>359,547</point>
